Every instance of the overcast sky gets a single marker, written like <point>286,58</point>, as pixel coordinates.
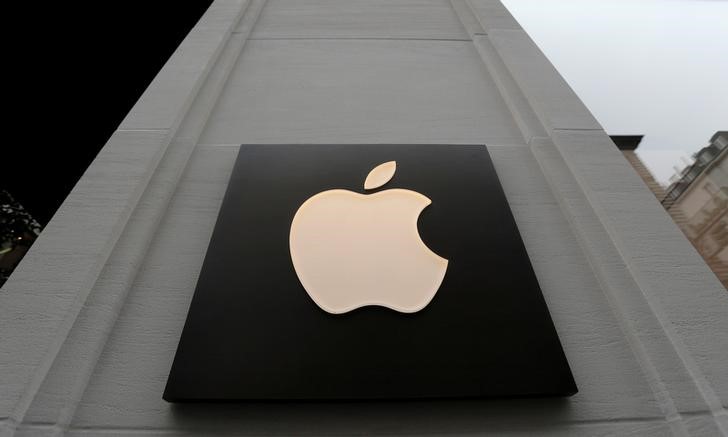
<point>653,67</point>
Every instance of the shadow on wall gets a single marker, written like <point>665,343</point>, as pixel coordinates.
<point>424,417</point>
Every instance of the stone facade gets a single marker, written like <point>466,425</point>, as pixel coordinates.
<point>91,318</point>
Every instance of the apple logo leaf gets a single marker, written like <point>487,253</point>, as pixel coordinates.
<point>380,175</point>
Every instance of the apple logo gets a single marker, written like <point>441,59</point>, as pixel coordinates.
<point>351,250</point>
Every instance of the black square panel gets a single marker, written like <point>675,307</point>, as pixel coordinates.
<point>253,332</point>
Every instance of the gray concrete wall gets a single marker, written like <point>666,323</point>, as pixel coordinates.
<point>91,318</point>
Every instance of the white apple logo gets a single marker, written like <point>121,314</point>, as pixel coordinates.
<point>350,250</point>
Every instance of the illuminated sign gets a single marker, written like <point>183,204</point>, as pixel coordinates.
<point>366,272</point>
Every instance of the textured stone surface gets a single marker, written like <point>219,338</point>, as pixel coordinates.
<point>40,301</point>
<point>360,91</point>
<point>380,19</point>
<point>165,102</point>
<point>91,319</point>
<point>492,15</point>
<point>689,302</point>
<point>613,389</point>
<point>549,95</point>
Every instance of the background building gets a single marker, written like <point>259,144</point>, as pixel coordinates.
<point>92,316</point>
<point>697,198</point>
<point>628,144</point>
<point>18,231</point>
<point>700,193</point>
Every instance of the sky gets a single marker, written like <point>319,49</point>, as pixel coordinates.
<point>657,68</point>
